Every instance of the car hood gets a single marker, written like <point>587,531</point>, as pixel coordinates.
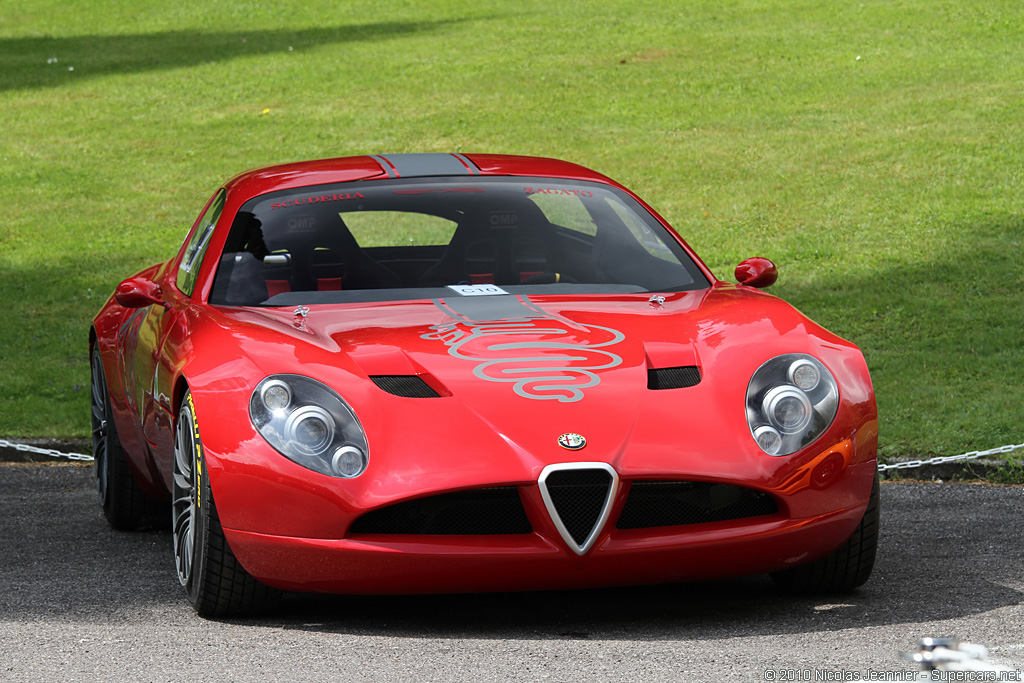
<point>512,374</point>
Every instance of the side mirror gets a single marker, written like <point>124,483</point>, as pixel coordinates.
<point>757,272</point>
<point>139,292</point>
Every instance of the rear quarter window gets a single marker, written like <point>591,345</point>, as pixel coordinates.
<point>566,211</point>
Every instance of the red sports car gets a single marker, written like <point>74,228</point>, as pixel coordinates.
<point>419,373</point>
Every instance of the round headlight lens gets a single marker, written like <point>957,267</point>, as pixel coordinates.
<point>348,461</point>
<point>768,439</point>
<point>276,395</point>
<point>311,428</point>
<point>308,423</point>
<point>787,408</point>
<point>791,400</point>
<point>804,375</point>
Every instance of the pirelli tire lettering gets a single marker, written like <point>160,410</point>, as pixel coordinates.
<point>198,453</point>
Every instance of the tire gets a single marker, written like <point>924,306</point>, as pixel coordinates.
<point>124,504</point>
<point>216,583</point>
<point>844,569</point>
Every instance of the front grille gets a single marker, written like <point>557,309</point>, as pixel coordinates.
<point>578,497</point>
<point>670,503</point>
<point>487,511</point>
<point>408,386</point>
<point>673,378</point>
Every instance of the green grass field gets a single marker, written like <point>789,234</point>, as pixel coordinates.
<point>871,149</point>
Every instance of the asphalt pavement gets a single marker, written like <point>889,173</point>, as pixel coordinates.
<point>81,602</point>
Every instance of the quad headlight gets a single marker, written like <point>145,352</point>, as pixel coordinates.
<point>309,424</point>
<point>791,401</point>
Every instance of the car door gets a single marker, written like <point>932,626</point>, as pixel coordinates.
<point>154,366</point>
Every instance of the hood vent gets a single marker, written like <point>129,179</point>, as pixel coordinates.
<point>579,498</point>
<point>407,386</point>
<point>673,378</point>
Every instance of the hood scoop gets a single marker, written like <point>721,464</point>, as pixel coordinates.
<point>579,497</point>
<point>393,371</point>
<point>671,366</point>
<point>673,378</point>
<point>407,386</point>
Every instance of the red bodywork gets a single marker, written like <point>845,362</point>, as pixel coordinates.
<point>289,526</point>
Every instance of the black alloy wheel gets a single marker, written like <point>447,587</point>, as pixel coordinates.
<point>124,504</point>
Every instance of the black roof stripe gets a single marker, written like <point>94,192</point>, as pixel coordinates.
<point>422,165</point>
<point>470,166</point>
<point>388,167</point>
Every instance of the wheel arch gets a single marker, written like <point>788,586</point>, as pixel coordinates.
<point>181,388</point>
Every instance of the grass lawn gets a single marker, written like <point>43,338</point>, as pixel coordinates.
<point>871,149</point>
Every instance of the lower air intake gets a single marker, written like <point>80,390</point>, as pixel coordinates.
<point>482,512</point>
<point>671,503</point>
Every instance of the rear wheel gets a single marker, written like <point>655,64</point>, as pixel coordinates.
<point>124,504</point>
<point>844,569</point>
<point>216,583</point>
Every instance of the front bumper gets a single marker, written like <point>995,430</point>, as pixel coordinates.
<point>540,560</point>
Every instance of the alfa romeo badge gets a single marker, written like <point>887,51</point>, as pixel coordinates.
<point>572,441</point>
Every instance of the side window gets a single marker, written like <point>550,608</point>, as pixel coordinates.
<point>642,232</point>
<point>566,211</point>
<point>195,250</point>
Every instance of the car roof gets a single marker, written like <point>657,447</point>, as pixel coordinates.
<point>365,167</point>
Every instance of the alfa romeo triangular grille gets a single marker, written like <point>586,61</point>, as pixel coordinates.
<point>579,498</point>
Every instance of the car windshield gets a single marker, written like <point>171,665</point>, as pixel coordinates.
<point>429,237</point>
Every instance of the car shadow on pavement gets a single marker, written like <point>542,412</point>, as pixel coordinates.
<point>946,552</point>
<point>935,562</point>
<point>61,558</point>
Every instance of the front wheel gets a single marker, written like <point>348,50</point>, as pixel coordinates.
<point>216,583</point>
<point>845,568</point>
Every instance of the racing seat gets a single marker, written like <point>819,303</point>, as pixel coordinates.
<point>502,245</point>
<point>328,259</point>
